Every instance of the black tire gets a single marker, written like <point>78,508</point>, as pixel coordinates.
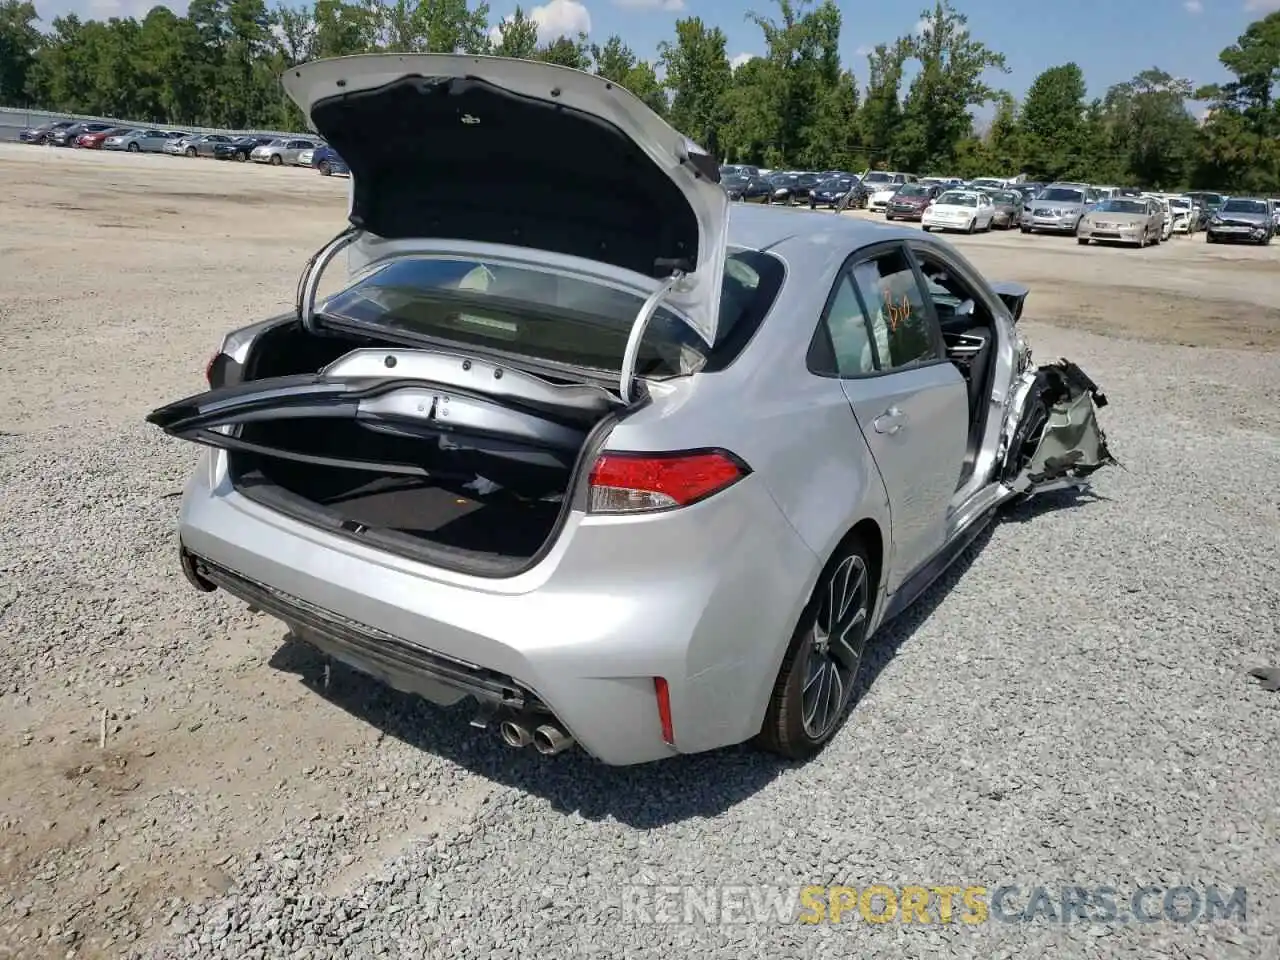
<point>973,226</point>
<point>325,169</point>
<point>787,729</point>
<point>133,148</point>
<point>888,215</point>
<point>191,151</point>
<point>276,160</point>
<point>1083,241</point>
<point>1024,229</point>
<point>242,157</point>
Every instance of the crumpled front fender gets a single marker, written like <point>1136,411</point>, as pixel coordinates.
<point>1055,440</point>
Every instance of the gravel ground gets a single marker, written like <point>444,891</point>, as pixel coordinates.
<point>1069,707</point>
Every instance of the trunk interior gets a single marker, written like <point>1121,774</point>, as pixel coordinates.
<point>489,505</point>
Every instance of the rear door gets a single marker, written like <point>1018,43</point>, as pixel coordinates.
<point>910,402</point>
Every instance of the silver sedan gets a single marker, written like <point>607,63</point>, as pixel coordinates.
<point>137,141</point>
<point>649,485</point>
<point>283,151</point>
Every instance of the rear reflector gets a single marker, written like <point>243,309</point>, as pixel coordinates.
<point>645,482</point>
<point>664,709</point>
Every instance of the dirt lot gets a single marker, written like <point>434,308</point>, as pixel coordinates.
<point>229,766</point>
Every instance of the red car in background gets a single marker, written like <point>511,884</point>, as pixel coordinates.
<point>93,141</point>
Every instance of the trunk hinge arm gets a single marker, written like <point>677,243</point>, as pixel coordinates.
<point>626,386</point>
<point>309,282</point>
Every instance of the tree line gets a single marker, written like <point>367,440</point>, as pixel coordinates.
<point>796,106</point>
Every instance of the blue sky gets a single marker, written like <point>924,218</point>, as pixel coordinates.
<point>1111,41</point>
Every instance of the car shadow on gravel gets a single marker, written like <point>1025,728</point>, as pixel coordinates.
<point>645,796</point>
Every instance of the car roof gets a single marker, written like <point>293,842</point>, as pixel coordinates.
<point>791,231</point>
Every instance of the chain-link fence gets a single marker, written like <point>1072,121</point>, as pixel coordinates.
<point>13,120</point>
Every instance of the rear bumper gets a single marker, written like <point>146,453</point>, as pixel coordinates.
<point>706,598</point>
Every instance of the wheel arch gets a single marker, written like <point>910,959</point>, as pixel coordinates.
<point>870,534</point>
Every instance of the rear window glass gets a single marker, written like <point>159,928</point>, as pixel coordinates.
<point>553,316</point>
<point>1062,195</point>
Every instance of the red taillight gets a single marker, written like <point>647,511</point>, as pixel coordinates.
<point>664,709</point>
<point>644,482</point>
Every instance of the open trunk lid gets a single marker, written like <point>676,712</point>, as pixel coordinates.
<point>501,154</point>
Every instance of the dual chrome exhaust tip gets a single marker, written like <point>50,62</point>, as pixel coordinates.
<point>548,739</point>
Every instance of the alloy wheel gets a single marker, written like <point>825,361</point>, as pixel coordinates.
<point>835,648</point>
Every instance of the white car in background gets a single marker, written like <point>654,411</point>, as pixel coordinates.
<point>879,201</point>
<point>1166,228</point>
<point>965,210</point>
<point>1183,212</point>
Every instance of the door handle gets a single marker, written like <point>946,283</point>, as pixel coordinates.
<point>890,421</point>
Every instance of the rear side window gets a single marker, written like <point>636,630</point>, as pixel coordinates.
<point>553,316</point>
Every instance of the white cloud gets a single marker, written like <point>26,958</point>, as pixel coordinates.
<point>669,5</point>
<point>1193,6</point>
<point>558,18</point>
<point>740,59</point>
<point>864,51</point>
<point>1261,6</point>
<point>921,27</point>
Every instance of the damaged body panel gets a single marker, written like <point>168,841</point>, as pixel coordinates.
<point>1057,441</point>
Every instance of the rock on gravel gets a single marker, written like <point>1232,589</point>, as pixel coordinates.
<point>1069,707</point>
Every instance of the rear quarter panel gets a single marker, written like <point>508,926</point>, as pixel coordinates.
<point>794,429</point>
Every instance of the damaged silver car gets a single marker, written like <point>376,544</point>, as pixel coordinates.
<point>631,466</point>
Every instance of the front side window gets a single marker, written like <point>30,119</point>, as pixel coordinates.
<point>878,319</point>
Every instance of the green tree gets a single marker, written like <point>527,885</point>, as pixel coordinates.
<point>616,62</point>
<point>517,37</point>
<point>882,112</point>
<point>1239,148</point>
<point>698,76</point>
<point>566,52</point>
<point>949,83</point>
<point>1053,115</point>
<point>19,42</point>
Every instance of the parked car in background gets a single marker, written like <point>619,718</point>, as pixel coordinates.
<point>95,139</point>
<point>791,188</point>
<point>328,163</point>
<point>40,134</point>
<point>67,136</point>
<point>875,180</point>
<point>204,144</point>
<point>1056,209</point>
<point>1008,204</point>
<point>1208,201</point>
<point>281,151</point>
<point>965,210</point>
<point>137,141</point>
<point>747,532</point>
<point>177,146</point>
<point>1275,205</point>
<point>740,187</point>
<point>988,183</point>
<point>1166,214</point>
<point>910,200</point>
<point>1136,220</point>
<point>1242,220</point>
<point>239,148</point>
<point>1184,215</point>
<point>831,192</point>
<point>739,170</point>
